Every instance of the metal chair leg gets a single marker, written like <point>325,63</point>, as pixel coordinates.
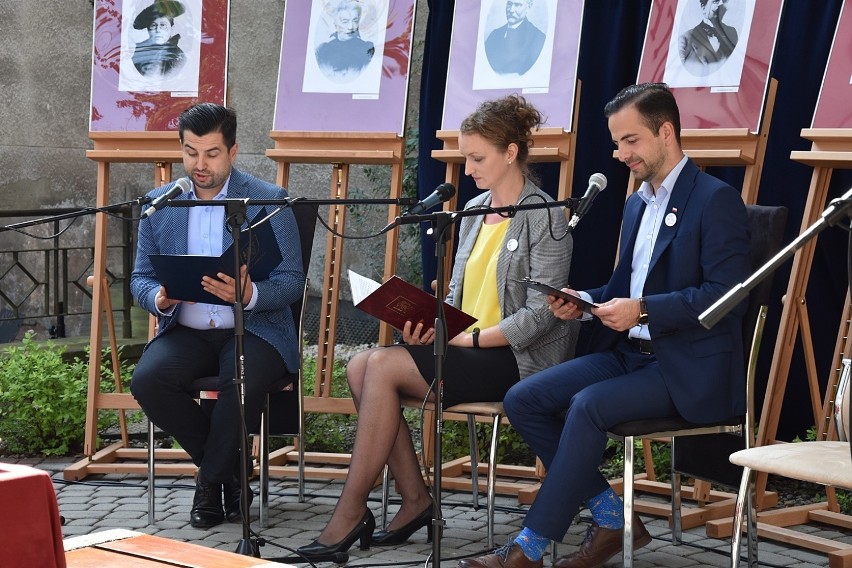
<point>677,520</point>
<point>264,465</point>
<point>628,502</point>
<point>474,460</point>
<point>385,496</point>
<point>151,511</point>
<point>492,478</point>
<point>745,508</point>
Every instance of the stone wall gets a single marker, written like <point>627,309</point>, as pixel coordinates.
<point>45,74</point>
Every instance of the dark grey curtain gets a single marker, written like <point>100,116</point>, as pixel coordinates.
<point>613,34</point>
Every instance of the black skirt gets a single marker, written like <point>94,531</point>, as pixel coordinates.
<point>470,375</point>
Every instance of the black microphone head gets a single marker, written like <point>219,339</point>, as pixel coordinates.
<point>598,180</point>
<point>446,191</point>
<point>184,184</point>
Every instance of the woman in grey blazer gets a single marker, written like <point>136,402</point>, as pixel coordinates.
<point>515,334</point>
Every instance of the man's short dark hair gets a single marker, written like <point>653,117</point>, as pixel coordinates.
<point>654,101</point>
<point>204,118</point>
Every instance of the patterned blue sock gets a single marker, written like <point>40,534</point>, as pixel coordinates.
<point>607,509</point>
<point>532,544</point>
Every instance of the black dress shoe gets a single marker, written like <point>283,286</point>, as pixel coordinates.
<point>403,533</point>
<point>233,508</point>
<point>316,551</point>
<point>206,509</point>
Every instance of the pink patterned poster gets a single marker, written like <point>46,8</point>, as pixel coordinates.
<point>153,58</point>
<point>344,66</point>
<point>715,56</point>
<point>833,109</point>
<point>500,47</point>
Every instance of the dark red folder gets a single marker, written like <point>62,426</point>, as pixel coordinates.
<point>396,301</point>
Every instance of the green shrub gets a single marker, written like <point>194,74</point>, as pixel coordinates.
<point>336,432</point>
<point>43,399</point>
<point>328,432</point>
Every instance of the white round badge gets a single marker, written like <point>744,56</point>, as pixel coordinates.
<point>671,219</point>
<point>512,245</point>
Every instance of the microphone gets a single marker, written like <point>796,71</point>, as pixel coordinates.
<point>181,186</point>
<point>442,193</point>
<point>597,183</point>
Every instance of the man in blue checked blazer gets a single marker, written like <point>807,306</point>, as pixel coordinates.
<point>684,244</point>
<point>196,340</point>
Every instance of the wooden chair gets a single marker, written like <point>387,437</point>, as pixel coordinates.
<point>767,229</point>
<point>283,413</point>
<point>822,462</point>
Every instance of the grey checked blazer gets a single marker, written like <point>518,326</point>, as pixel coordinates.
<point>165,232</point>
<point>538,339</point>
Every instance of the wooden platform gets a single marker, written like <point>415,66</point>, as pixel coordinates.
<point>127,549</point>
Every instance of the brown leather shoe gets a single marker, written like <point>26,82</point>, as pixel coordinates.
<point>507,556</point>
<point>602,544</point>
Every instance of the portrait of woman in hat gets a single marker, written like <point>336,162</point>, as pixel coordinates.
<point>159,55</point>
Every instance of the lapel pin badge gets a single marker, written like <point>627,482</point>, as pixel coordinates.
<point>671,218</point>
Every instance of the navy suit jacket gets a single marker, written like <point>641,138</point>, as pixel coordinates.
<point>165,232</point>
<point>514,50</point>
<point>695,261</point>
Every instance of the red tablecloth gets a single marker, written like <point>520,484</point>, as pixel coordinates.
<point>30,530</point>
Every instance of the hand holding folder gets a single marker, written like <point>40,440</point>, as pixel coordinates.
<point>582,304</point>
<point>396,301</point>
<point>181,274</point>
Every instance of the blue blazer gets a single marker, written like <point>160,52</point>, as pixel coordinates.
<point>695,261</point>
<point>165,232</point>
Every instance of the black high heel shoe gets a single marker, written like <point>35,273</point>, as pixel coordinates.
<point>403,533</point>
<point>363,531</point>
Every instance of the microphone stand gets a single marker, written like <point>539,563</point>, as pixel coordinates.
<point>235,214</point>
<point>837,209</point>
<point>77,213</point>
<point>441,222</point>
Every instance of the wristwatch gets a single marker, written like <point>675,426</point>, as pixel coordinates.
<point>475,336</point>
<point>643,312</point>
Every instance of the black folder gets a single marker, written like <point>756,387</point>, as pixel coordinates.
<point>550,290</point>
<point>181,273</point>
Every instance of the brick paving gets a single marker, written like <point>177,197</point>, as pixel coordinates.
<point>102,502</point>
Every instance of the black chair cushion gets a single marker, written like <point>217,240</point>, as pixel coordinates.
<point>653,425</point>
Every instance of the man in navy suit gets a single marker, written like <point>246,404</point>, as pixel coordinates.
<point>196,340</point>
<point>684,243</point>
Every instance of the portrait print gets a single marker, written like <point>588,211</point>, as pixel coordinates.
<point>708,43</point>
<point>515,44</point>
<point>160,46</point>
<point>345,46</point>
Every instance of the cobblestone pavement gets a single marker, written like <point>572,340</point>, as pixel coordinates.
<point>103,502</point>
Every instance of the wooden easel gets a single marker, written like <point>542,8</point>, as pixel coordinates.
<point>830,149</point>
<point>161,149</point>
<point>340,150</point>
<point>708,148</point>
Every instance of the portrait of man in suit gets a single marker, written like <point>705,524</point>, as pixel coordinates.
<point>515,46</point>
<point>707,46</point>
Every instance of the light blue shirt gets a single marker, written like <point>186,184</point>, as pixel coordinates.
<point>656,204</point>
<point>206,229</point>
<point>649,227</point>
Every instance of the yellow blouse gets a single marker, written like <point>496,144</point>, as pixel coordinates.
<point>479,291</point>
